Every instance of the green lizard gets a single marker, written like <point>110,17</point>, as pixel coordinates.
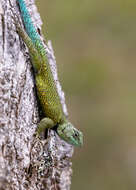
<point>45,84</point>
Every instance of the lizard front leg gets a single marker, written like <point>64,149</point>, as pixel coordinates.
<point>44,124</point>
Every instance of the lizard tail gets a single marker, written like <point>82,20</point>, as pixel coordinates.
<point>30,28</point>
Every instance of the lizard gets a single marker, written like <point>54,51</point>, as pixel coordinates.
<point>45,84</point>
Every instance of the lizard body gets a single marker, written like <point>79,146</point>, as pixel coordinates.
<point>45,84</point>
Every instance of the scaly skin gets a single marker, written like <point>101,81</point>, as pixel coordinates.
<point>45,84</point>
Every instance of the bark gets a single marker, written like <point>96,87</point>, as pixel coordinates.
<point>26,162</point>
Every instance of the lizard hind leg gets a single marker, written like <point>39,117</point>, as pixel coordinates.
<point>44,124</point>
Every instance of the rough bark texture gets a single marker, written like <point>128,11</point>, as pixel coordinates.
<point>25,161</point>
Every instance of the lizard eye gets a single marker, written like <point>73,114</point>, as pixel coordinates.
<point>76,134</point>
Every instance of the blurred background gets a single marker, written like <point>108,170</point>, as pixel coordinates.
<point>95,48</point>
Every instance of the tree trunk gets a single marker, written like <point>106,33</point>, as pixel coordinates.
<point>26,162</point>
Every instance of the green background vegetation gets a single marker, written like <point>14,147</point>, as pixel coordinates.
<point>95,48</point>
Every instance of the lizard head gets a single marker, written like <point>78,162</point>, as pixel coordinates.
<point>70,134</point>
